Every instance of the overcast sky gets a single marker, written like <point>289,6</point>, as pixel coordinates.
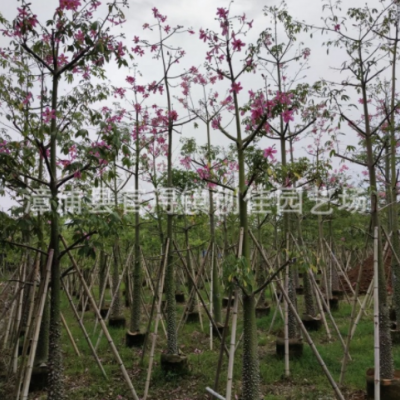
<point>201,14</point>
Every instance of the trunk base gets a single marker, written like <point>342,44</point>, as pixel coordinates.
<point>39,378</point>
<point>311,323</point>
<point>134,339</point>
<point>117,322</point>
<point>295,348</point>
<point>390,388</point>
<point>176,363</point>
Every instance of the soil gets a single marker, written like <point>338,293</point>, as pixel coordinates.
<point>367,275</point>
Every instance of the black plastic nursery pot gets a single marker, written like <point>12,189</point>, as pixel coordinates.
<point>39,378</point>
<point>300,290</point>
<point>220,329</point>
<point>179,297</point>
<point>263,311</point>
<point>193,317</point>
<point>176,363</point>
<point>295,347</point>
<point>87,307</point>
<point>311,323</point>
<point>390,388</point>
<point>338,293</point>
<point>395,334</point>
<point>225,302</point>
<point>134,339</point>
<point>117,322</point>
<point>103,312</point>
<point>333,304</point>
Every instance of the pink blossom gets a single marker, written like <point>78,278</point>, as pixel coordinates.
<point>79,36</point>
<point>203,35</point>
<point>236,87</point>
<point>70,4</point>
<point>222,13</point>
<point>173,115</point>
<point>3,147</point>
<point>287,116</point>
<point>269,152</point>
<point>306,53</point>
<point>186,162</point>
<point>48,115</point>
<point>237,44</point>
<point>215,123</point>
<point>120,92</point>
<point>337,27</point>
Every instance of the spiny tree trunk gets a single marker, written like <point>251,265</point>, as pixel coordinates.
<point>251,373</point>
<point>116,308</point>
<point>137,270</point>
<point>394,223</point>
<point>55,378</point>
<point>308,295</point>
<point>386,356</point>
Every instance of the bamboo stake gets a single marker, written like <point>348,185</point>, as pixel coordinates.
<point>158,316</point>
<point>200,297</point>
<point>111,304</point>
<point>228,394</point>
<point>211,294</point>
<point>103,325</point>
<point>115,295</point>
<point>17,326</point>
<point>232,349</point>
<point>38,322</point>
<point>150,284</point>
<point>194,293</point>
<point>28,330</point>
<point>286,332</point>
<point>70,335</point>
<point>224,334</point>
<point>153,305</point>
<point>304,330</point>
<point>89,342</point>
<point>377,390</point>
<point>103,289</point>
<point>353,315</point>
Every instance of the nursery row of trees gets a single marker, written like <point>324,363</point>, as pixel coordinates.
<point>64,132</point>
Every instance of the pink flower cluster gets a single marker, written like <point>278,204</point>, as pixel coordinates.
<point>72,5</point>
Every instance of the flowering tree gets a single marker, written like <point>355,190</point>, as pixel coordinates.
<point>223,48</point>
<point>73,44</point>
<point>168,119</point>
<point>365,65</point>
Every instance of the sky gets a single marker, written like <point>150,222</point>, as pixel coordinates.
<point>201,14</point>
